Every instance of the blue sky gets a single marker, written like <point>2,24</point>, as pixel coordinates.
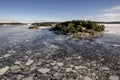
<point>59,10</point>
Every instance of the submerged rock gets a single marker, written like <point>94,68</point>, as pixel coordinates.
<point>20,77</point>
<point>7,55</point>
<point>114,78</point>
<point>87,78</point>
<point>4,70</point>
<point>60,64</point>
<point>15,69</point>
<point>56,68</point>
<point>33,67</point>
<point>58,75</point>
<point>69,70</point>
<point>54,46</point>
<point>11,51</point>
<point>43,70</point>
<point>105,68</point>
<point>17,62</point>
<point>28,78</point>
<point>29,62</point>
<point>93,74</point>
<point>80,67</point>
<point>53,63</point>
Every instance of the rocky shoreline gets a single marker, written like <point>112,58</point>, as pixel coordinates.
<point>34,27</point>
<point>84,35</point>
<point>38,27</point>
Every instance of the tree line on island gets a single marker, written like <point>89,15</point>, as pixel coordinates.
<point>16,23</point>
<point>78,26</point>
<point>44,24</point>
<point>114,22</point>
<point>37,25</point>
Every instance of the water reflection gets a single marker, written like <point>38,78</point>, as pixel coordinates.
<point>112,29</point>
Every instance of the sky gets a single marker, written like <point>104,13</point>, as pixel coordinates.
<point>59,10</point>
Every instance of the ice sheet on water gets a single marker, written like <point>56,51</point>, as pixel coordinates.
<point>112,29</point>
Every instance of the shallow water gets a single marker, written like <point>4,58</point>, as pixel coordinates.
<point>12,36</point>
<point>19,41</point>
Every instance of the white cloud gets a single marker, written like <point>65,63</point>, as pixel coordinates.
<point>113,9</point>
<point>111,15</point>
<point>116,8</point>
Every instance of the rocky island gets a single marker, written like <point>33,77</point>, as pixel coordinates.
<point>79,28</point>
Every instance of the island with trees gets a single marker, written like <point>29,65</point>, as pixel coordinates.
<point>45,24</point>
<point>79,28</point>
<point>14,23</point>
<point>114,22</point>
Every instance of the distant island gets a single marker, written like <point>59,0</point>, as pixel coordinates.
<point>3,24</point>
<point>45,24</point>
<point>79,28</point>
<point>114,22</point>
<point>37,25</point>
